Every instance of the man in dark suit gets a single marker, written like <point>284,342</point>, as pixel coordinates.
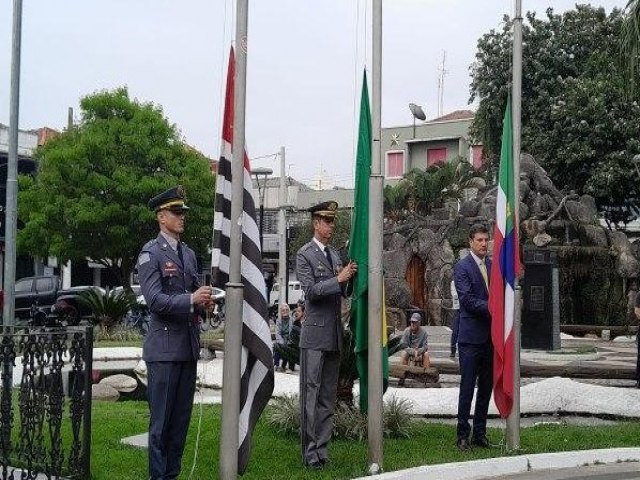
<point>167,271</point>
<point>471,276</point>
<point>323,280</point>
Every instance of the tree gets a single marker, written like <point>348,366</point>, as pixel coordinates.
<point>631,44</point>
<point>431,188</point>
<point>89,197</point>
<point>577,119</point>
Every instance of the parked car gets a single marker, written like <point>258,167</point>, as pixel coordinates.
<point>42,296</point>
<point>69,307</point>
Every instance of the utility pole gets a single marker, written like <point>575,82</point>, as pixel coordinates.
<point>66,268</point>
<point>282,235</point>
<point>11,212</point>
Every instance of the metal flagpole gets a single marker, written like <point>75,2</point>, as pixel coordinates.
<point>282,234</point>
<point>513,421</point>
<point>11,210</point>
<point>375,307</point>
<point>229,441</point>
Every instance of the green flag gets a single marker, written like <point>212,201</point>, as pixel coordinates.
<point>359,253</point>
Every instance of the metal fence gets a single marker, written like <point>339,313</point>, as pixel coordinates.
<point>45,403</point>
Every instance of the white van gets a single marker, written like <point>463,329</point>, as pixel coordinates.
<point>295,293</point>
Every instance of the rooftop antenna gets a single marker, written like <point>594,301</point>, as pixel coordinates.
<point>442,73</point>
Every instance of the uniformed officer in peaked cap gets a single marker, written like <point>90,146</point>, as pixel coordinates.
<point>172,199</point>
<point>324,209</point>
<point>167,270</point>
<point>323,279</point>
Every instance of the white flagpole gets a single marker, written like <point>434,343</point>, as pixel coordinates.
<point>375,307</point>
<point>513,421</point>
<point>229,439</point>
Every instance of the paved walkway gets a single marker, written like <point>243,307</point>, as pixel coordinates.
<point>543,466</point>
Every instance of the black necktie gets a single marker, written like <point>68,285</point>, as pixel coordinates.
<point>179,250</point>
<point>328,253</point>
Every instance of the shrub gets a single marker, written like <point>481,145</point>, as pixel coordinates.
<point>348,423</point>
<point>108,309</point>
<point>118,333</point>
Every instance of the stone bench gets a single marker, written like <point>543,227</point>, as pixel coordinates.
<point>429,377</point>
<point>212,346</point>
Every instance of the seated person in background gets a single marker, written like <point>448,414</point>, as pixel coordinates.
<point>296,327</point>
<point>283,332</point>
<point>414,341</point>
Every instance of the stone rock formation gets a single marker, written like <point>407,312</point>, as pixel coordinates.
<point>549,219</point>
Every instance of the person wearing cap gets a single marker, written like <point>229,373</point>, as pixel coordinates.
<point>471,277</point>
<point>167,270</point>
<point>323,279</point>
<point>414,342</point>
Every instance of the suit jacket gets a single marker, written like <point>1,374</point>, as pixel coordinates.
<point>322,328</point>
<point>167,285</point>
<point>474,320</point>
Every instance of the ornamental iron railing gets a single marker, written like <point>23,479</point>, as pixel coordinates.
<point>45,403</point>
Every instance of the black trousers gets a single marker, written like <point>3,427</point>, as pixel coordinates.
<point>476,364</point>
<point>170,390</point>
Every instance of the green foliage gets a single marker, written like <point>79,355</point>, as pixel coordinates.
<point>89,198</point>
<point>431,188</point>
<point>117,336</point>
<point>348,422</point>
<point>631,44</point>
<point>108,309</point>
<point>395,199</point>
<point>577,119</point>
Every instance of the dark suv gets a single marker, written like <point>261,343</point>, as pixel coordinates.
<point>41,291</point>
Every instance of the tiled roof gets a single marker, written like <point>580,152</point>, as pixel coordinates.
<point>45,134</point>
<point>455,115</point>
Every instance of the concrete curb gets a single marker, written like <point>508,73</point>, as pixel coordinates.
<point>494,467</point>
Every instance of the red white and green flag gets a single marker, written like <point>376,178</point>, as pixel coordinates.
<point>504,272</point>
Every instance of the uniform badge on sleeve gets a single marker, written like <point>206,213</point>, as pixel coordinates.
<point>143,258</point>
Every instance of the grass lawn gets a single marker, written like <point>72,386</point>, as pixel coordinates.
<point>277,456</point>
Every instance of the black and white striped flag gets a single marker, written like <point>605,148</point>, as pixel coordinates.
<point>256,375</point>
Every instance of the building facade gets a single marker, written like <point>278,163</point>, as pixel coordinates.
<point>420,146</point>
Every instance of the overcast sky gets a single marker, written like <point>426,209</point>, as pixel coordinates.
<point>304,66</point>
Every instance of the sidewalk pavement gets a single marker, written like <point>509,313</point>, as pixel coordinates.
<point>540,465</point>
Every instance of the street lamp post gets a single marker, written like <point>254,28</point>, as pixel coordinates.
<point>265,172</point>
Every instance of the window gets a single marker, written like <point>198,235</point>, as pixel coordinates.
<point>395,164</point>
<point>44,285</point>
<point>436,156</point>
<point>478,157</point>
<point>23,286</point>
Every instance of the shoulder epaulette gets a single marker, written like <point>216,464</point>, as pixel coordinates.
<point>150,243</point>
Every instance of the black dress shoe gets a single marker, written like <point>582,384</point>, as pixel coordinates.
<point>324,461</point>
<point>315,465</point>
<point>482,442</point>
<point>463,444</point>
